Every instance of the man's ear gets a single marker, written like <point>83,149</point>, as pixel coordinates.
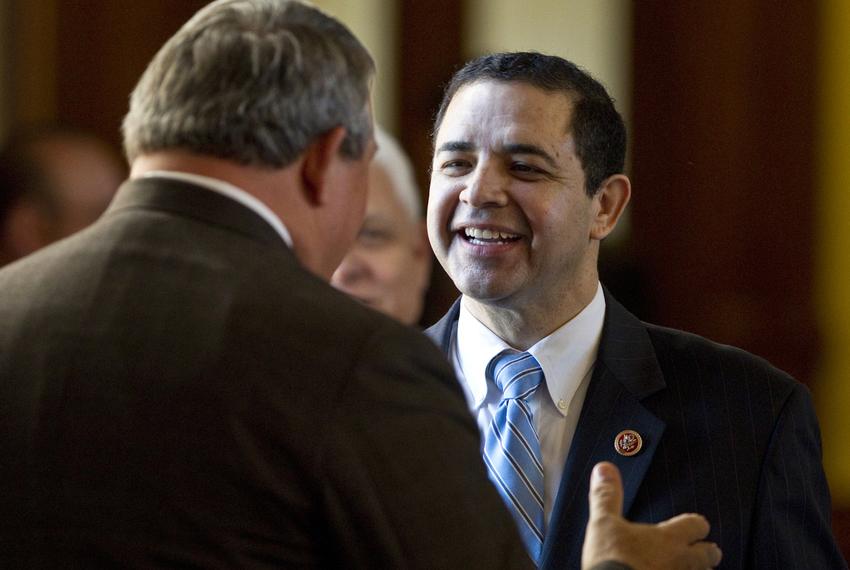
<point>611,200</point>
<point>320,159</point>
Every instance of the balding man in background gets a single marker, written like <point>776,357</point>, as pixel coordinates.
<point>54,181</point>
<point>389,264</point>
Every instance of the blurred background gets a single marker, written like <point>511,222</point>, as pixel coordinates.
<point>739,118</point>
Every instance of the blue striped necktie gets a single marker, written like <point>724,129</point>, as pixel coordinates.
<point>512,447</point>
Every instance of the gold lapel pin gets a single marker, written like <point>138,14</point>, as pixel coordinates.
<point>628,442</point>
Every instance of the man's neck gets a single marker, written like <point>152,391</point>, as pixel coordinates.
<point>278,189</point>
<point>522,325</point>
<point>253,180</point>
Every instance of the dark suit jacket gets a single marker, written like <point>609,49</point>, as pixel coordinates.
<point>724,434</point>
<point>177,391</point>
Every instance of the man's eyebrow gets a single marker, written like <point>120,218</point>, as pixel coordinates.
<point>456,146</point>
<point>523,148</point>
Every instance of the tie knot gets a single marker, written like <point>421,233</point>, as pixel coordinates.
<point>517,374</point>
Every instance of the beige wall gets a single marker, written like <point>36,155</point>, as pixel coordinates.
<point>375,23</point>
<point>595,34</point>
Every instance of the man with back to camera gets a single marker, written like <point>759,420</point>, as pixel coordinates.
<point>179,385</point>
<point>388,266</point>
<point>527,179</point>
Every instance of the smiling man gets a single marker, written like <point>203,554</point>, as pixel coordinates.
<point>527,181</point>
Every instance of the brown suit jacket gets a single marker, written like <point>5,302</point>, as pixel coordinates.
<point>177,391</point>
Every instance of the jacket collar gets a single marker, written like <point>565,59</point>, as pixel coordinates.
<point>625,348</point>
<point>192,201</point>
<point>626,372</point>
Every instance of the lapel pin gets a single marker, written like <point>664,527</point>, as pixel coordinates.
<point>628,442</point>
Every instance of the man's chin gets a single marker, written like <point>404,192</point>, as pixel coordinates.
<point>487,294</point>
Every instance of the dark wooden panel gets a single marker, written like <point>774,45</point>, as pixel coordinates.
<point>103,48</point>
<point>841,528</point>
<point>724,172</point>
<point>431,50</point>
<point>31,42</point>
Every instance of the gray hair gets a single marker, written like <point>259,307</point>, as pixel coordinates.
<point>395,162</point>
<point>253,81</point>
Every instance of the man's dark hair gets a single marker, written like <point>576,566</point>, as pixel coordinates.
<point>597,127</point>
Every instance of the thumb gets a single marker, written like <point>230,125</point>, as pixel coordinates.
<point>606,491</point>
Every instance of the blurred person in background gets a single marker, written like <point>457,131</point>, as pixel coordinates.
<point>389,264</point>
<point>54,181</point>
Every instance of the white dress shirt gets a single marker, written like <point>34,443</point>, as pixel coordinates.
<point>566,356</point>
<point>229,190</point>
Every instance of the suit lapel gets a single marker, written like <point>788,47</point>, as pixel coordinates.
<point>441,331</point>
<point>626,371</point>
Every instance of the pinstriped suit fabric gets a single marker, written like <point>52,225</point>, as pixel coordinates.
<point>725,434</point>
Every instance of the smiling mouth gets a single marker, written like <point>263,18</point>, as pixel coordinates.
<point>477,236</point>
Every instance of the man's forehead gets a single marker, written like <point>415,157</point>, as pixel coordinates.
<point>513,112</point>
<point>384,195</point>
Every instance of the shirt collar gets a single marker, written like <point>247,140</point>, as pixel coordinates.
<point>566,355</point>
<point>230,191</point>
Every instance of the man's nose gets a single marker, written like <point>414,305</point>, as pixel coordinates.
<point>486,187</point>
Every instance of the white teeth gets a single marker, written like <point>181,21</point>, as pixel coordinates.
<point>477,233</point>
